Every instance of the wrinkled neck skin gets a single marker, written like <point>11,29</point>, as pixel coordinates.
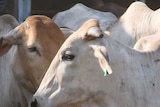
<point>10,91</point>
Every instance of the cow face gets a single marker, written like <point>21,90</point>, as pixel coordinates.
<point>37,41</point>
<point>78,65</point>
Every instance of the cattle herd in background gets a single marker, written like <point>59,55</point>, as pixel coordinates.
<point>82,57</point>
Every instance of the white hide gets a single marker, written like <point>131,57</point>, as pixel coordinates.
<point>138,21</point>
<point>79,82</point>
<point>74,17</point>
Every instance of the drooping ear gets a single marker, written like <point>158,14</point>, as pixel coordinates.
<point>5,44</point>
<point>93,33</point>
<point>11,38</point>
<point>103,59</point>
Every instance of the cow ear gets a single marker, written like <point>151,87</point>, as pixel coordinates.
<point>5,44</point>
<point>103,60</point>
<point>93,33</point>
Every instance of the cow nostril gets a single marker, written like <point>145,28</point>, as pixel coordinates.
<point>34,103</point>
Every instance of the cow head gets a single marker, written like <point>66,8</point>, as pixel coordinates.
<point>76,72</point>
<point>36,41</point>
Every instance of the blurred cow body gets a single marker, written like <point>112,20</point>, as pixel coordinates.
<point>138,21</point>
<point>7,23</point>
<point>74,17</point>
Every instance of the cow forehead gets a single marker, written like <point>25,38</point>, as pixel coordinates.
<point>77,40</point>
<point>39,29</point>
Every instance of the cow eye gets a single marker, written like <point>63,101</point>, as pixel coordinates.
<point>67,56</point>
<point>34,49</point>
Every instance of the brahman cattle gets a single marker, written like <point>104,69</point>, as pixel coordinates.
<point>138,21</point>
<point>78,75</point>
<point>31,47</point>
<point>74,17</point>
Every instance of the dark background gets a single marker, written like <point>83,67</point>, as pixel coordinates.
<point>51,7</point>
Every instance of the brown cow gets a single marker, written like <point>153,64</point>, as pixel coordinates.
<point>31,46</point>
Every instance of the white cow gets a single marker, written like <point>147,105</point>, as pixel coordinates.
<point>148,43</point>
<point>138,21</point>
<point>31,47</point>
<point>7,23</point>
<point>74,17</point>
<point>75,76</point>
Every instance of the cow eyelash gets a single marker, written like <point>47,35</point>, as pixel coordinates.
<point>34,49</point>
<point>67,56</point>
